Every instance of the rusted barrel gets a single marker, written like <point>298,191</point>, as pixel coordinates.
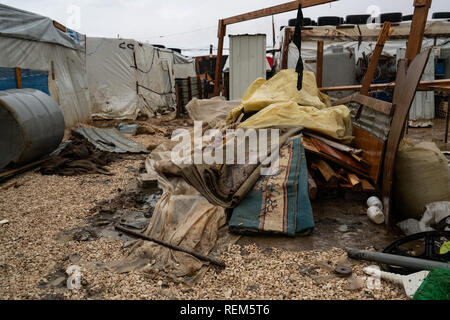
<point>31,126</point>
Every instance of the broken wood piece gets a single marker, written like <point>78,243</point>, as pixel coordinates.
<point>309,145</point>
<point>312,187</point>
<point>367,186</point>
<point>171,246</point>
<point>339,158</point>
<point>326,171</point>
<point>334,144</point>
<point>354,181</point>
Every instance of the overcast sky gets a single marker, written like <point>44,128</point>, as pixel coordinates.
<point>189,24</point>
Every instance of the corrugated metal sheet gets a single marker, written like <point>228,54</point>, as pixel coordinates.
<point>423,106</point>
<point>110,140</point>
<point>247,62</point>
<point>377,123</point>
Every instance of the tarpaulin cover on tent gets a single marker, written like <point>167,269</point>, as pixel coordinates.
<point>30,41</point>
<point>127,77</point>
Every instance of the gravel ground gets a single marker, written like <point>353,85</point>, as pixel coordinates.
<point>34,256</point>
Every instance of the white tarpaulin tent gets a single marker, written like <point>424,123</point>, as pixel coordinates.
<point>31,41</point>
<point>127,77</point>
<point>184,67</point>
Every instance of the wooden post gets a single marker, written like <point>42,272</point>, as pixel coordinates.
<point>285,7</point>
<point>319,64</point>
<point>419,22</point>
<point>218,76</point>
<point>375,58</point>
<point>18,78</point>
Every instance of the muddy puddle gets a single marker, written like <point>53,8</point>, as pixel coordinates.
<point>132,209</point>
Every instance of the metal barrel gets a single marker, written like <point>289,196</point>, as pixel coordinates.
<point>31,126</point>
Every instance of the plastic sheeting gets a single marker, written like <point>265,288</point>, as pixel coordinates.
<point>127,77</point>
<point>334,122</point>
<point>184,67</point>
<point>69,88</point>
<point>30,26</point>
<point>182,217</point>
<point>213,111</point>
<point>283,88</point>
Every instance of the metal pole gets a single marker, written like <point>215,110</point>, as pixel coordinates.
<point>400,261</point>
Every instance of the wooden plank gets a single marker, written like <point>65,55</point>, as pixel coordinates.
<point>418,24</point>
<point>407,82</point>
<point>312,187</point>
<point>218,75</point>
<point>423,86</point>
<point>18,78</point>
<point>326,171</point>
<point>334,144</point>
<point>288,34</point>
<point>379,105</point>
<point>286,7</point>
<point>373,151</point>
<point>373,64</point>
<point>282,8</point>
<point>367,186</point>
<point>335,160</point>
<point>343,158</point>
<point>319,64</point>
<point>354,180</point>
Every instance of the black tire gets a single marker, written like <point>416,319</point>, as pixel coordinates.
<point>441,15</point>
<point>314,23</point>
<point>408,17</point>
<point>306,22</point>
<point>329,21</point>
<point>357,19</point>
<point>391,17</point>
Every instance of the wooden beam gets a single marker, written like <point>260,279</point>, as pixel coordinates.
<point>285,7</point>
<point>218,75</point>
<point>419,22</point>
<point>319,64</point>
<point>285,54</point>
<point>427,85</point>
<point>408,78</point>
<point>384,34</point>
<point>376,104</point>
<point>18,78</point>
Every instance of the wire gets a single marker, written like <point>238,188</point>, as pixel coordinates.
<point>178,34</point>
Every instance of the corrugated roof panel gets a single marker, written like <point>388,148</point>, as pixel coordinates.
<point>110,140</point>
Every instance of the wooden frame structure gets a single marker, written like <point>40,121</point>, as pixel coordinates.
<point>223,23</point>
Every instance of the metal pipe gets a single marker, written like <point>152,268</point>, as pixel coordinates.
<point>400,261</point>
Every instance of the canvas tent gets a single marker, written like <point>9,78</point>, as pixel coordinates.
<point>127,77</point>
<point>184,67</point>
<point>52,59</point>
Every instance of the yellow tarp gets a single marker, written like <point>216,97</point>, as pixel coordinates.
<point>279,103</point>
<point>334,122</point>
